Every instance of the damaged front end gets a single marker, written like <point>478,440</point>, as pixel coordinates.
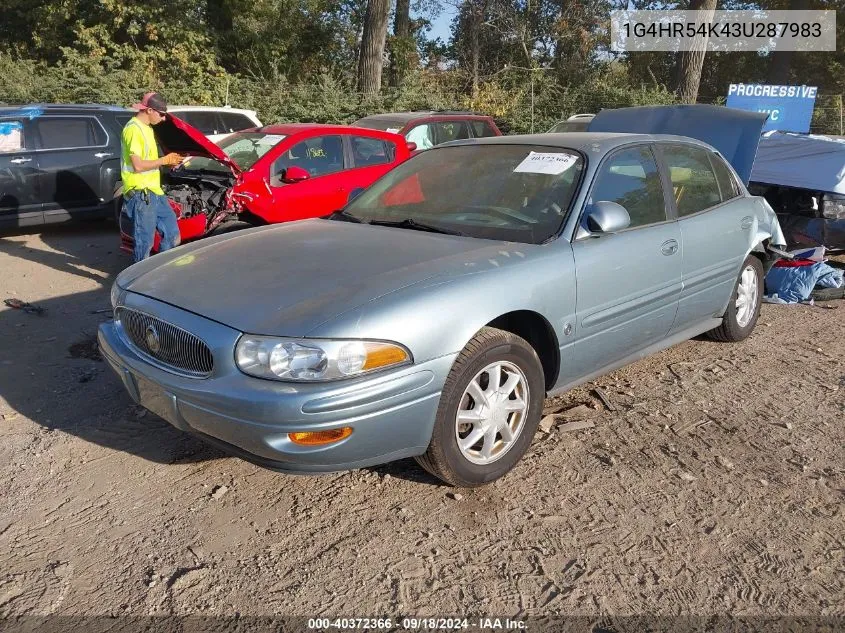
<point>202,196</point>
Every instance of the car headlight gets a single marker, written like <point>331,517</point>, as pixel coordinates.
<point>115,295</point>
<point>311,360</point>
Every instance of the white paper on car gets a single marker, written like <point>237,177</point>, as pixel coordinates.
<point>271,139</point>
<point>394,130</point>
<point>552,163</point>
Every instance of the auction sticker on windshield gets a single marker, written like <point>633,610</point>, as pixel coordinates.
<point>271,139</point>
<point>546,163</point>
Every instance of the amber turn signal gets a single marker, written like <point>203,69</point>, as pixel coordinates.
<point>316,438</point>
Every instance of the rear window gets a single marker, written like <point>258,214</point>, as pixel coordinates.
<point>234,122</point>
<point>693,181</point>
<point>371,151</point>
<point>69,132</point>
<point>11,136</point>
<point>385,125</point>
<point>727,183</point>
<point>205,122</point>
<point>482,129</point>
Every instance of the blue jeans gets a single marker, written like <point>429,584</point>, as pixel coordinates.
<point>157,215</point>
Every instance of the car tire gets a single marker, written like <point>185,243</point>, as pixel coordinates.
<point>828,294</point>
<point>493,454</point>
<point>230,226</point>
<point>744,307</point>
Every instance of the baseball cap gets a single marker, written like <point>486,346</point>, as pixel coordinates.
<point>153,101</point>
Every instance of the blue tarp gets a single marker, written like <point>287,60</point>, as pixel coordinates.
<point>794,284</point>
<point>735,133</point>
<point>801,160</point>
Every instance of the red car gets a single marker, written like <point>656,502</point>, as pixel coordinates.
<point>267,175</point>
<point>429,128</point>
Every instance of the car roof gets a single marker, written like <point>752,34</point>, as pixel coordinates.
<point>582,141</point>
<point>65,107</point>
<point>405,117</point>
<point>295,128</point>
<point>194,108</point>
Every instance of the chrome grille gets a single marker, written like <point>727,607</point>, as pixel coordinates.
<point>178,349</point>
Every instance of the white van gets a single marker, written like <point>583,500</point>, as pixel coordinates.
<point>216,122</point>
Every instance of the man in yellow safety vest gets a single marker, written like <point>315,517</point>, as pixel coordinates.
<point>143,198</point>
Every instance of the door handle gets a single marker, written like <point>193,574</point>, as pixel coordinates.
<point>20,161</point>
<point>669,247</point>
<point>102,154</point>
<point>746,222</point>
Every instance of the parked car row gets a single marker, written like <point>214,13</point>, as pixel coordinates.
<point>432,314</point>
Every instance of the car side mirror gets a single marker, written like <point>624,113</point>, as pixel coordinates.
<point>294,174</point>
<point>354,194</point>
<point>607,217</point>
<point>412,147</point>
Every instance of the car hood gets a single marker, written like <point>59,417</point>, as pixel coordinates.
<point>174,135</point>
<point>287,279</point>
<point>735,133</point>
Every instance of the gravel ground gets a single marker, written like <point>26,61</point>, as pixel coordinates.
<point>715,486</point>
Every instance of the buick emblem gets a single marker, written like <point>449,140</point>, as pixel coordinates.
<point>153,341</point>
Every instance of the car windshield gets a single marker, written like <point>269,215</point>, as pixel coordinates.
<point>244,148</point>
<point>385,125</point>
<point>518,193</point>
<point>580,125</point>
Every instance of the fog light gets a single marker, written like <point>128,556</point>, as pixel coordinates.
<point>316,438</point>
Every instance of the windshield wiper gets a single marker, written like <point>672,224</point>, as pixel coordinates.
<point>410,223</point>
<point>343,216</point>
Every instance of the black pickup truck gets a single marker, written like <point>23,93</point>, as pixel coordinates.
<point>58,162</point>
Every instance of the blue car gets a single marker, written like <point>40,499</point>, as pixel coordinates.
<point>432,316</point>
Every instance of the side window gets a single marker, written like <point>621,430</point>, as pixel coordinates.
<point>422,135</point>
<point>69,132</point>
<point>205,122</point>
<point>11,136</point>
<point>482,128</point>
<point>727,183</point>
<point>451,131</point>
<point>319,156</point>
<point>693,181</point>
<point>234,122</point>
<point>371,151</point>
<point>630,178</point>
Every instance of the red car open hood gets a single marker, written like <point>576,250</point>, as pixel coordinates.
<point>174,135</point>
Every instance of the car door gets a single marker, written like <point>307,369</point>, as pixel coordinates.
<point>324,158</point>
<point>715,229</point>
<point>72,150</point>
<point>20,199</point>
<point>629,282</point>
<point>369,158</point>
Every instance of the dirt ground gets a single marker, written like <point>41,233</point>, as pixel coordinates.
<point>716,486</point>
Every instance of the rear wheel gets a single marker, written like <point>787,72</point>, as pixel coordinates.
<point>489,410</point>
<point>744,308</point>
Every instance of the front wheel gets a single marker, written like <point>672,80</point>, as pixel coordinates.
<point>744,308</point>
<point>489,410</point>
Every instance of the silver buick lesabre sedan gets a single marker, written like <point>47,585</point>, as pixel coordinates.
<point>431,317</point>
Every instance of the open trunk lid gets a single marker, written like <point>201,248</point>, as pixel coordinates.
<point>734,133</point>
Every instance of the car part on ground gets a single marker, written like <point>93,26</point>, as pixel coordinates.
<point>492,264</point>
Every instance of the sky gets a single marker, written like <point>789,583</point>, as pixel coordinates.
<point>440,26</point>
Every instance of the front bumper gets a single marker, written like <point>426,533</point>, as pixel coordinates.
<point>392,414</point>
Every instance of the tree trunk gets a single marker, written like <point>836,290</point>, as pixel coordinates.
<point>690,63</point>
<point>401,32</point>
<point>476,17</point>
<point>371,57</point>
